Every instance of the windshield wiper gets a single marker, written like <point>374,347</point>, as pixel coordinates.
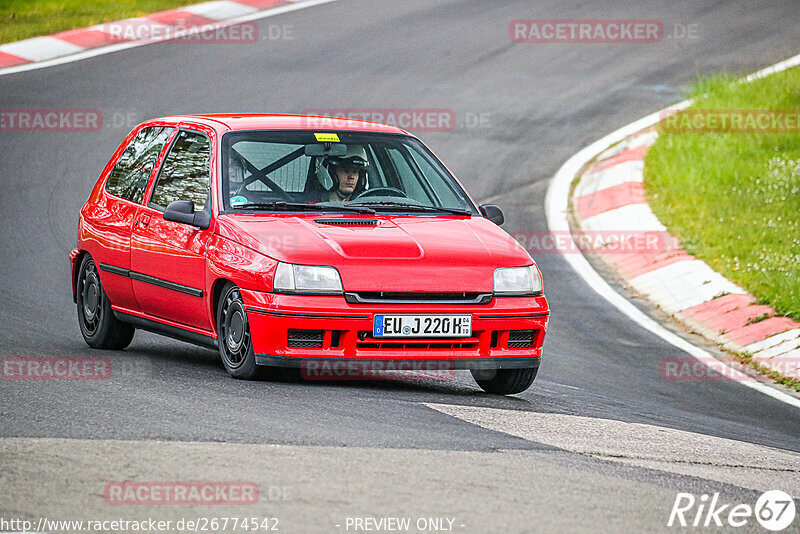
<point>301,206</point>
<point>412,207</point>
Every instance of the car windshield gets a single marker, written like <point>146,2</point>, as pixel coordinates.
<point>336,171</point>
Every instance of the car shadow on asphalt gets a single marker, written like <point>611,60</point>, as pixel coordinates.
<point>167,357</point>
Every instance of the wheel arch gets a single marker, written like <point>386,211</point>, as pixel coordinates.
<point>76,267</point>
<point>216,293</point>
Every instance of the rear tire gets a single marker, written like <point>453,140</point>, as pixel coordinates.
<point>233,336</point>
<point>505,381</point>
<point>99,327</point>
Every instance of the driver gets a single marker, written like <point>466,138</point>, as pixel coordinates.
<point>348,172</point>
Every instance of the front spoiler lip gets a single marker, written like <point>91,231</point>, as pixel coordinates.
<point>391,363</point>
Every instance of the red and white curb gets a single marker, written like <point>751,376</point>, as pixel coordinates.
<point>78,44</point>
<point>609,198</point>
<point>558,209</point>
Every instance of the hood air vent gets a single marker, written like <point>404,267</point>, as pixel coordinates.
<point>348,222</point>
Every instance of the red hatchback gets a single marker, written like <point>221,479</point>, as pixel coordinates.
<point>294,241</point>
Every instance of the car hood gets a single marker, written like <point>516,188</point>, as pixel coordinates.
<point>385,253</point>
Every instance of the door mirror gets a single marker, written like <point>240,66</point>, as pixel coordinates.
<point>182,211</point>
<point>493,213</point>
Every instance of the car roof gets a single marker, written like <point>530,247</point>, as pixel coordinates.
<point>260,121</point>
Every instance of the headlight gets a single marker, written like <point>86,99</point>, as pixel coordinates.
<point>307,279</point>
<point>518,281</point>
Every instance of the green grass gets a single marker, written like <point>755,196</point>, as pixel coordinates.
<point>788,381</point>
<point>20,19</point>
<point>733,199</point>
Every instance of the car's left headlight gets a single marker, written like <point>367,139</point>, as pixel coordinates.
<point>518,281</point>
<point>306,279</point>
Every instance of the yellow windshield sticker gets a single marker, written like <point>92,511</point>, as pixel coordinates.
<point>327,137</point>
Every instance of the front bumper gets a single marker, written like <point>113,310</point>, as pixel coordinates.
<point>293,330</point>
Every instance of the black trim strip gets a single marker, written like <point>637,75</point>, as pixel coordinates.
<point>534,316</point>
<point>115,270</point>
<point>355,298</point>
<point>167,330</point>
<point>309,315</point>
<point>333,293</point>
<point>454,363</point>
<point>166,284</point>
<point>146,278</point>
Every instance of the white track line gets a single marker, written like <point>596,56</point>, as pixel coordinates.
<point>556,207</point>
<point>124,46</point>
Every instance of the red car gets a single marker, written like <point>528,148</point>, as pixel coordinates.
<point>296,241</point>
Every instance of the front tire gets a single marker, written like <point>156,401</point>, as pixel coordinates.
<point>505,381</point>
<point>233,336</point>
<point>99,327</point>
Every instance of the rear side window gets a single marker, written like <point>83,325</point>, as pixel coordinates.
<point>185,173</point>
<point>128,179</point>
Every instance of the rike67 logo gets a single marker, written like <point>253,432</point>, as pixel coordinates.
<point>774,510</point>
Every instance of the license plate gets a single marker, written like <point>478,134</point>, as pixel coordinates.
<point>422,326</point>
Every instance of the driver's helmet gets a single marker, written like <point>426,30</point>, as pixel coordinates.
<point>356,156</point>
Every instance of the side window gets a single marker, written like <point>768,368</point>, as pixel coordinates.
<point>128,179</point>
<point>186,172</point>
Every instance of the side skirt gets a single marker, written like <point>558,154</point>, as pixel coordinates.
<point>167,330</point>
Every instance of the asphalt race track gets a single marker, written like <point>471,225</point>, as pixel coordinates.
<point>562,455</point>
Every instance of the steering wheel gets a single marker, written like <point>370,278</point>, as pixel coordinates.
<point>380,191</point>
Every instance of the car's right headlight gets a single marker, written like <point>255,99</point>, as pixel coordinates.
<point>518,281</point>
<point>307,279</point>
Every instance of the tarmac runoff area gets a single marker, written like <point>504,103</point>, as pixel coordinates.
<point>637,471</point>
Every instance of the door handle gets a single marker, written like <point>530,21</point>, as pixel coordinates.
<point>144,220</point>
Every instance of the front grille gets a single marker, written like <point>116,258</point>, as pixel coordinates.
<point>388,297</point>
<point>336,336</point>
<point>366,341</point>
<point>416,345</point>
<point>520,339</point>
<point>347,222</point>
<point>304,338</point>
